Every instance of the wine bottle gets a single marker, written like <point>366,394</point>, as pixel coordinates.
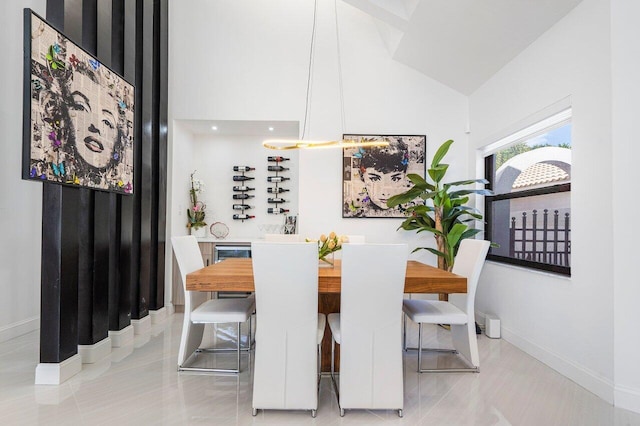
<point>277,178</point>
<point>276,190</point>
<point>277,211</point>
<point>241,207</point>
<point>242,178</point>
<point>242,216</point>
<point>277,159</point>
<point>243,168</point>
<point>277,168</point>
<point>242,196</point>
<point>276,200</point>
<point>242,188</point>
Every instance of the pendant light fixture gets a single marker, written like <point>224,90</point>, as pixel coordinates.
<point>303,143</point>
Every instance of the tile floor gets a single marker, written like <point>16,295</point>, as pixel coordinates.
<point>139,385</point>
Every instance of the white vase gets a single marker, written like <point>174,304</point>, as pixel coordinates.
<point>200,232</point>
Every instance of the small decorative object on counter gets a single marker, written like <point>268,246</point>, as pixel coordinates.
<point>196,213</point>
<point>290,224</point>
<point>219,230</point>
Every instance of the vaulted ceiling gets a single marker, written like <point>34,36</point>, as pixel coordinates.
<point>461,43</point>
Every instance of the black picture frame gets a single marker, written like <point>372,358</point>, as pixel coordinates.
<point>370,175</point>
<point>78,114</point>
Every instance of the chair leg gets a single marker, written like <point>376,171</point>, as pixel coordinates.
<point>333,370</point>
<point>237,349</point>
<point>473,369</point>
<point>319,365</point>
<point>404,332</point>
<point>420,348</point>
<point>238,346</point>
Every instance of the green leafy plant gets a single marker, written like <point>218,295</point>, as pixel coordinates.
<point>443,211</point>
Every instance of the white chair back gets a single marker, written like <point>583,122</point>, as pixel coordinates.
<point>373,278</point>
<point>283,238</point>
<point>189,259</point>
<point>286,288</point>
<point>469,262</point>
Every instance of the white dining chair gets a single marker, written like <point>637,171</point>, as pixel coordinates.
<point>369,327</point>
<point>290,329</point>
<point>198,310</point>
<point>468,263</point>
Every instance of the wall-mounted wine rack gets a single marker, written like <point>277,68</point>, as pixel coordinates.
<point>241,193</point>
<point>275,198</point>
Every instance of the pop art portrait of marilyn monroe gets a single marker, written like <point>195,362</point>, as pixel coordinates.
<point>81,116</point>
<point>373,174</point>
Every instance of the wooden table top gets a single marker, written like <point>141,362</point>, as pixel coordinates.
<point>237,275</point>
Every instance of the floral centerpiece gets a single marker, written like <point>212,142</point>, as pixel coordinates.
<point>196,212</point>
<point>329,245</point>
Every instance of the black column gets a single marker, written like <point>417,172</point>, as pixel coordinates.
<point>119,252</point>
<point>162,147</point>
<point>59,265</point>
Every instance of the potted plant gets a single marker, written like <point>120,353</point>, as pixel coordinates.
<point>196,213</point>
<point>443,210</point>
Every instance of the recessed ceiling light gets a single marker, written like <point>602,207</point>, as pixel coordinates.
<point>271,129</point>
<point>214,127</point>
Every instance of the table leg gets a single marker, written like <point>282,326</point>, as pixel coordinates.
<point>329,303</point>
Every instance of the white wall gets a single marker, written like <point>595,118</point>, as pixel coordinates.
<point>626,151</point>
<point>247,60</point>
<point>565,322</point>
<point>20,201</point>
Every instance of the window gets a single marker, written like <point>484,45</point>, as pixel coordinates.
<point>529,215</point>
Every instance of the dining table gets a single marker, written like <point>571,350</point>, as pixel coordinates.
<point>236,275</point>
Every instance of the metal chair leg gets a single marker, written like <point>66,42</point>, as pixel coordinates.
<point>439,370</point>
<point>404,333</point>
<point>238,345</point>
<point>419,347</point>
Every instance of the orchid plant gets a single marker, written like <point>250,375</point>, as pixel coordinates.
<point>196,212</point>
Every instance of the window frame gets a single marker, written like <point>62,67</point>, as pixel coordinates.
<point>489,174</point>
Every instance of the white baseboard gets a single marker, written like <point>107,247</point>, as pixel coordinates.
<point>120,338</point>
<point>19,328</point>
<point>588,379</point>
<point>57,373</point>
<point>96,352</point>
<point>142,325</point>
<point>158,316</point>
<point>627,398</point>
<point>171,309</point>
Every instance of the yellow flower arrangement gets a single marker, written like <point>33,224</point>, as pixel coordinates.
<point>328,245</point>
